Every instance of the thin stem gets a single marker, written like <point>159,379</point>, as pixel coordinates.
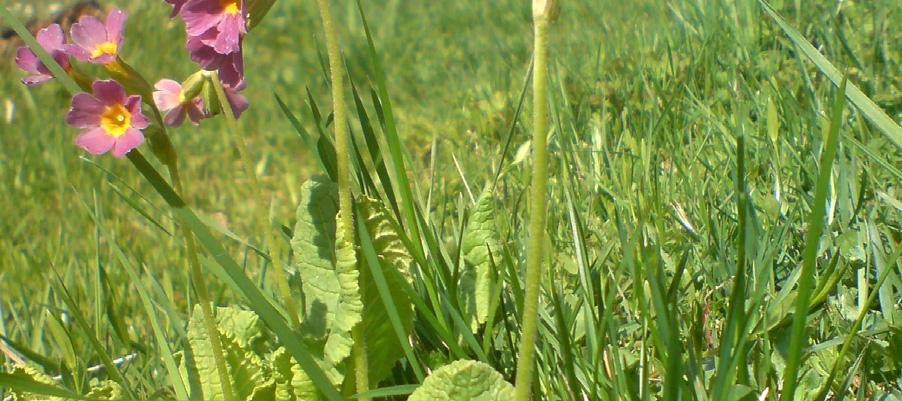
<point>200,286</point>
<point>270,242</point>
<point>525,363</point>
<point>346,222</point>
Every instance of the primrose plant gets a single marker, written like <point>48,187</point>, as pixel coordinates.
<point>354,267</point>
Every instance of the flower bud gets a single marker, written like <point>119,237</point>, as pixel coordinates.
<point>193,86</point>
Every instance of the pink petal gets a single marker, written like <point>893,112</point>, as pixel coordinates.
<point>27,60</point>
<point>109,92</point>
<point>196,111</point>
<point>201,15</point>
<point>128,141</point>
<point>104,59</point>
<point>166,96</point>
<point>175,117</point>
<point>237,102</point>
<point>227,41</point>
<point>51,38</point>
<point>85,111</point>
<point>231,72</point>
<point>133,104</point>
<point>37,79</point>
<point>77,52</point>
<point>95,141</point>
<point>88,32</point>
<point>176,7</point>
<point>115,23</point>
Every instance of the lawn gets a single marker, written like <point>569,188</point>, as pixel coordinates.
<point>691,167</point>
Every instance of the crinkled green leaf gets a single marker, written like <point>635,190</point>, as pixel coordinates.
<point>106,390</point>
<point>464,381</point>
<point>249,377</point>
<point>328,270</point>
<point>383,346</point>
<point>292,384</point>
<point>29,372</point>
<point>478,247</point>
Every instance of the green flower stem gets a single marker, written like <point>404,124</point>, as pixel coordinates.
<point>525,362</point>
<point>270,242</point>
<point>346,223</point>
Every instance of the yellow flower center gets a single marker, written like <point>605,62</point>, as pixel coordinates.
<point>230,7</point>
<point>115,120</point>
<point>105,48</point>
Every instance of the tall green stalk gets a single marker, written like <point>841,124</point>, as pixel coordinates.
<point>345,215</point>
<point>541,10</point>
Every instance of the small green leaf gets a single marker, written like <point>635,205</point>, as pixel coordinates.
<point>464,381</point>
<point>478,247</point>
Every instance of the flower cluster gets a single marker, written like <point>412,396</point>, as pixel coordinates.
<point>111,120</point>
<point>215,30</point>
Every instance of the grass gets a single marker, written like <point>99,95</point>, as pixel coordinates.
<point>689,139</point>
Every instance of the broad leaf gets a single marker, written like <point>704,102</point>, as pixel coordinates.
<point>292,384</point>
<point>328,270</point>
<point>249,377</point>
<point>383,346</point>
<point>478,247</point>
<point>464,381</point>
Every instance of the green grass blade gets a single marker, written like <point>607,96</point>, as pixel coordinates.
<point>871,111</point>
<point>798,337</point>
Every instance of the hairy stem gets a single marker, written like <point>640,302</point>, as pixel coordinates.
<point>525,364</point>
<point>269,240</point>
<point>346,222</point>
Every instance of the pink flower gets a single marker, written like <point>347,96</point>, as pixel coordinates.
<point>176,6</point>
<point>230,66</point>
<point>110,119</point>
<point>168,98</point>
<point>52,40</point>
<point>226,18</point>
<point>96,42</point>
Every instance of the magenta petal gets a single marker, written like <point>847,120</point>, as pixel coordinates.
<point>176,7</point>
<point>237,102</point>
<point>227,41</point>
<point>133,104</point>
<point>88,32</point>
<point>128,141</point>
<point>95,141</point>
<point>196,111</point>
<point>231,72</point>
<point>77,52</point>
<point>34,80</point>
<point>109,92</point>
<point>27,60</point>
<point>115,24</point>
<point>85,111</point>
<point>201,15</point>
<point>51,38</point>
<point>175,117</point>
